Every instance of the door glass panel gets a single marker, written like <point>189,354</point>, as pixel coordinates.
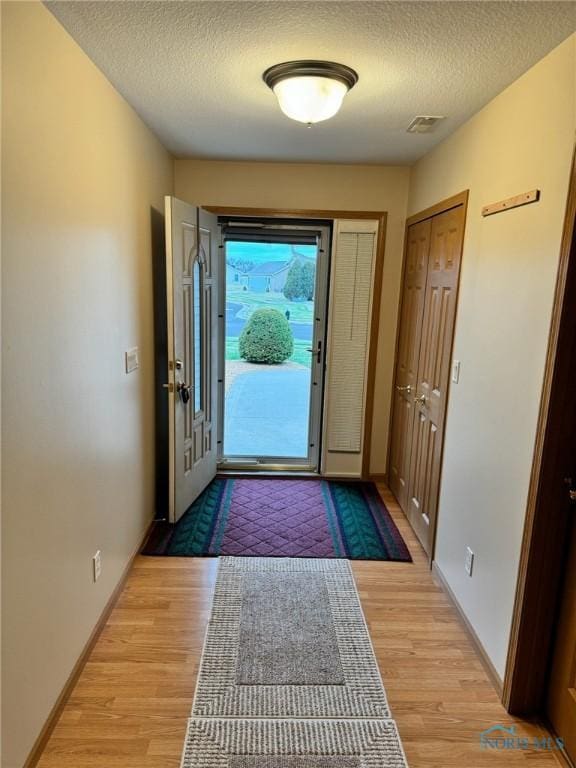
<point>270,330</point>
<point>198,384</point>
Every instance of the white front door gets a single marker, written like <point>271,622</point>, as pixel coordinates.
<point>191,262</point>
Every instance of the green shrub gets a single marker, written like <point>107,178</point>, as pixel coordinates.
<point>266,338</point>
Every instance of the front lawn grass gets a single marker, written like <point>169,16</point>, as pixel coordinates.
<point>300,355</point>
<point>300,311</point>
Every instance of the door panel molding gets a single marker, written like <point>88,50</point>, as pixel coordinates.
<point>191,375</point>
<point>407,358</point>
<point>416,441</point>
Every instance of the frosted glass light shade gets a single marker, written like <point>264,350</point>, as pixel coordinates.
<point>310,91</point>
<point>310,99</point>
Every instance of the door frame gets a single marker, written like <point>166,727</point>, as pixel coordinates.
<point>441,207</point>
<point>543,555</point>
<point>311,463</point>
<point>332,214</point>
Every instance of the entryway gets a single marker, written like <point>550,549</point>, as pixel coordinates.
<point>273,286</point>
<point>414,640</point>
<point>268,348</point>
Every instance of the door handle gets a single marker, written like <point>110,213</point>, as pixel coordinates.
<point>184,391</point>
<point>420,400</point>
<point>406,389</point>
<point>317,352</point>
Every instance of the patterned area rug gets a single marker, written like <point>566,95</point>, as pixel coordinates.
<point>283,518</point>
<point>288,677</point>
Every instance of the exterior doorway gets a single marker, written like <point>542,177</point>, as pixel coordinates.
<point>274,284</point>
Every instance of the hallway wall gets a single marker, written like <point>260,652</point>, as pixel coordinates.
<point>315,186</point>
<point>522,140</point>
<point>80,174</point>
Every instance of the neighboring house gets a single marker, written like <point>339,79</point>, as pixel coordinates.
<point>235,276</point>
<point>268,277</point>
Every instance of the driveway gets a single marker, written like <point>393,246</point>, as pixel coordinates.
<point>267,413</point>
<point>235,324</point>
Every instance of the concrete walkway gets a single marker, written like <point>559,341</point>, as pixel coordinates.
<point>267,413</point>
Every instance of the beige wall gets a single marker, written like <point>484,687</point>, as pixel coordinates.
<point>309,186</point>
<point>522,140</point>
<point>80,172</point>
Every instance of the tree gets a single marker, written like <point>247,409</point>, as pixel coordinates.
<point>293,285</point>
<point>307,280</point>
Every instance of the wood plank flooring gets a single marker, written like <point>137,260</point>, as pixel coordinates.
<point>130,705</point>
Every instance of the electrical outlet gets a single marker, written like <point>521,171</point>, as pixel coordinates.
<point>469,562</point>
<point>97,565</point>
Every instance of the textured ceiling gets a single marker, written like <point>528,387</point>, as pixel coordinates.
<point>193,70</point>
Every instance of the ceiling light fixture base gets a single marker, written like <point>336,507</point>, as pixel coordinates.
<point>310,68</point>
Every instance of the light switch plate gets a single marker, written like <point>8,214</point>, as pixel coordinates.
<point>96,566</point>
<point>469,562</point>
<point>455,371</point>
<point>132,362</point>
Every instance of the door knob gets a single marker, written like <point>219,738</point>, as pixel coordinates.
<point>420,400</point>
<point>406,389</point>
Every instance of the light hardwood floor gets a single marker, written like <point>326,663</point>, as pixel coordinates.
<point>130,705</point>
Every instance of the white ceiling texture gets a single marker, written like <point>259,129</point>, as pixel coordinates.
<point>193,70</point>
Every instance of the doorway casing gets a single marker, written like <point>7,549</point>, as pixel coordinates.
<point>332,215</point>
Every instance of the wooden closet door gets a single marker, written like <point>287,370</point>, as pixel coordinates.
<point>433,371</point>
<point>412,312</point>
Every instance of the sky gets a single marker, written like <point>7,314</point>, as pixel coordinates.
<point>263,252</point>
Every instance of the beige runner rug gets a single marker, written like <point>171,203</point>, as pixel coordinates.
<point>288,677</point>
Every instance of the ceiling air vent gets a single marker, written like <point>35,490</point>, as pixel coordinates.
<point>424,123</point>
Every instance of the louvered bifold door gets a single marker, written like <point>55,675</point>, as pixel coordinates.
<point>352,277</point>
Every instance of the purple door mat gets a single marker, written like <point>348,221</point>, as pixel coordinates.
<point>283,518</point>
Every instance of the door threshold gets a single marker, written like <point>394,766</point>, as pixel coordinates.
<point>304,474</point>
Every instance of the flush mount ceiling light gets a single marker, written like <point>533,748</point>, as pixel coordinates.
<point>310,91</point>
